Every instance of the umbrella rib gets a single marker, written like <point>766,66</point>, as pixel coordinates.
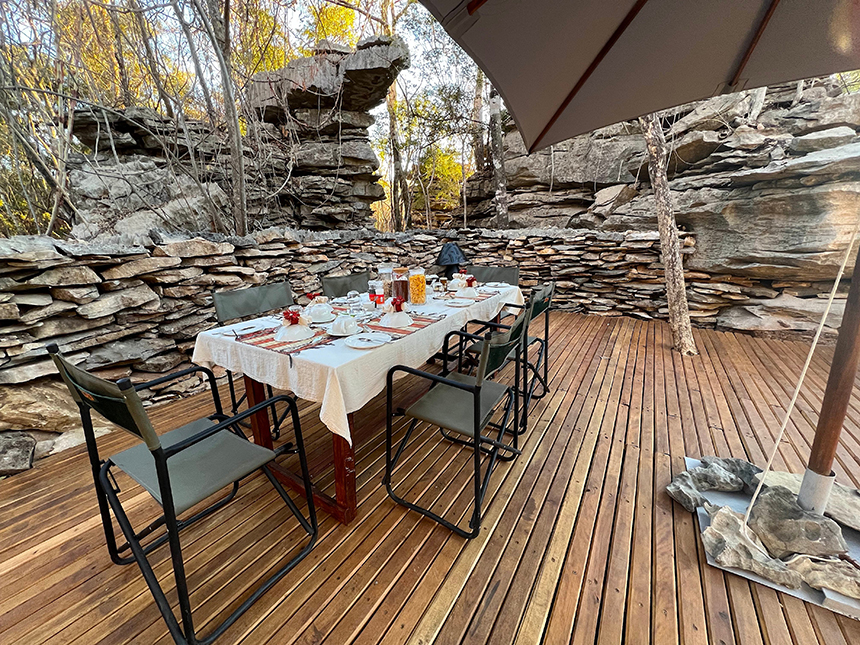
<point>622,27</point>
<point>748,53</point>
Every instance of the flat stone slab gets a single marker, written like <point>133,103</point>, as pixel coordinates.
<point>844,503</point>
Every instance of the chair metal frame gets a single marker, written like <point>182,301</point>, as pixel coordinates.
<point>218,297</point>
<point>541,360</point>
<point>480,444</point>
<point>107,491</point>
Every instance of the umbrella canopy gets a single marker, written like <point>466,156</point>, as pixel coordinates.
<point>565,67</point>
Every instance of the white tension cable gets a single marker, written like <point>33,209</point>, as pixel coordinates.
<point>803,372</point>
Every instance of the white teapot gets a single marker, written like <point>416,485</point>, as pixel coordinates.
<point>319,310</point>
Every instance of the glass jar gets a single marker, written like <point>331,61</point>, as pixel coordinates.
<point>400,284</point>
<point>417,286</point>
<point>386,275</point>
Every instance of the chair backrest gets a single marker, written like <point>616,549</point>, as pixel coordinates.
<point>541,299</point>
<point>511,275</point>
<point>337,286</point>
<point>230,305</point>
<point>495,352</point>
<point>116,402</point>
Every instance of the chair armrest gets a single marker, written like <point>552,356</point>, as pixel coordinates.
<point>489,324</point>
<point>230,421</point>
<point>436,378</point>
<point>210,375</point>
<point>464,335</point>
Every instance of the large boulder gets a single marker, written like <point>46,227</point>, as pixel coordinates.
<point>41,405</point>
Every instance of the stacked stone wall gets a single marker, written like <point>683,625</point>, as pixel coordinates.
<point>135,311</point>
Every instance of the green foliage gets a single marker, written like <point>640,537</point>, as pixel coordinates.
<point>327,21</point>
<point>440,176</point>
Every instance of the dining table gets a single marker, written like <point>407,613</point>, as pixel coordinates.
<point>326,370</point>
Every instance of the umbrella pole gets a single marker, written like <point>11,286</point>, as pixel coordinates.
<point>819,476</point>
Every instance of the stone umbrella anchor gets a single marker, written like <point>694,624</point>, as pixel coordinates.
<point>451,257</point>
<point>784,546</point>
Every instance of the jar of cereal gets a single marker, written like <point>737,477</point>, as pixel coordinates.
<point>417,286</point>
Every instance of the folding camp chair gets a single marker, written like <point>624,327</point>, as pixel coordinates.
<point>180,469</point>
<point>511,275</point>
<point>337,286</point>
<point>242,303</point>
<point>534,362</point>
<point>463,406</point>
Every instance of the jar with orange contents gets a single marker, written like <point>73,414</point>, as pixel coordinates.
<point>417,286</point>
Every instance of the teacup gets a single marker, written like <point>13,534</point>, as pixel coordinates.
<point>344,325</point>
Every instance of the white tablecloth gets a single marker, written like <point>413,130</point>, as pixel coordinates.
<point>342,379</point>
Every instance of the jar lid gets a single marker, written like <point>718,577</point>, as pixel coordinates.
<point>401,270</point>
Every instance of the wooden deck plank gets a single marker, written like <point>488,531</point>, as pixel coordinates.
<point>581,543</point>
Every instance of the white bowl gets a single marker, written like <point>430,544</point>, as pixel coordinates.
<point>396,320</point>
<point>294,332</point>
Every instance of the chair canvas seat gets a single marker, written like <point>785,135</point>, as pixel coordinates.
<point>453,409</point>
<point>200,470</point>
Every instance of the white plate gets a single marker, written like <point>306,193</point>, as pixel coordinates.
<point>368,340</point>
<point>323,322</point>
<point>497,285</point>
<point>352,333</point>
<point>459,302</point>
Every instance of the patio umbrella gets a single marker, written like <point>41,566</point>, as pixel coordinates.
<point>565,67</point>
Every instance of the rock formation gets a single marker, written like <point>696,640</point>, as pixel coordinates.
<point>771,194</point>
<point>309,162</point>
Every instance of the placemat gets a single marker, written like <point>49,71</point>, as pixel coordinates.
<point>266,338</point>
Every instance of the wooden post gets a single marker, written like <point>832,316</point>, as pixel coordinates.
<point>840,383</point>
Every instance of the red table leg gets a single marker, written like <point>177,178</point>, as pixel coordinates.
<point>343,508</point>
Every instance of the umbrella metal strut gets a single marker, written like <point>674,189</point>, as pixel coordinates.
<point>819,476</point>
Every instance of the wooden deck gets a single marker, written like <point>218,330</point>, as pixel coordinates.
<point>580,543</point>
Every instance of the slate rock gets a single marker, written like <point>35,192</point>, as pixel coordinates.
<point>110,303</point>
<point>684,491</point>
<point>16,452</point>
<point>824,573</point>
<point>785,528</point>
<point>41,405</point>
<point>843,505</point>
<point>65,276</point>
<point>730,545</point>
<point>740,468</point>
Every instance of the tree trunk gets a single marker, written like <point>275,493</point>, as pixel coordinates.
<point>217,28</point>
<point>477,126</point>
<point>119,55</point>
<point>399,185</point>
<point>498,154</point>
<point>676,294</point>
<point>149,55</point>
